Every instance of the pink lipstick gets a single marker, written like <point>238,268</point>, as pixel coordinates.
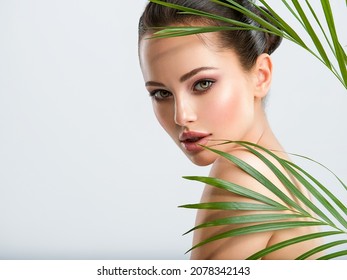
<point>191,140</point>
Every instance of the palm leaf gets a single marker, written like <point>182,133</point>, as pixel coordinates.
<point>322,248</point>
<point>165,32</point>
<point>259,228</point>
<point>334,255</point>
<point>340,54</point>
<point>260,178</point>
<point>296,240</point>
<point>236,189</point>
<point>330,210</point>
<point>283,24</point>
<point>275,24</point>
<point>311,31</point>
<point>232,206</point>
<point>287,165</point>
<point>246,219</point>
<point>171,31</point>
<point>272,20</point>
<point>298,173</point>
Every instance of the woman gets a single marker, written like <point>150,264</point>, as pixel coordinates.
<point>211,87</point>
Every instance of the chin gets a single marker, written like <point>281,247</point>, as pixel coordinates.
<point>202,159</point>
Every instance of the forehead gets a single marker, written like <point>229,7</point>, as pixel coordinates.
<point>153,50</point>
<point>181,54</point>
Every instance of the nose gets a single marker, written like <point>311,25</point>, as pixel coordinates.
<point>184,112</point>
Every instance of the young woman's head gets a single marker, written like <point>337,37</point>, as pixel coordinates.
<point>209,86</point>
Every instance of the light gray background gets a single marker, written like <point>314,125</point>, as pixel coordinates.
<point>85,170</point>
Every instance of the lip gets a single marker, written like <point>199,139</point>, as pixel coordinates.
<point>191,140</point>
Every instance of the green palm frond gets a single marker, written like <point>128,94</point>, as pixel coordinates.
<point>335,59</point>
<point>326,202</point>
<point>328,211</point>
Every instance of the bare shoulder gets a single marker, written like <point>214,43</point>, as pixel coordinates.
<point>238,246</point>
<point>226,170</point>
<point>241,246</point>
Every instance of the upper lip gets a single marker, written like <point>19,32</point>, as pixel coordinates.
<point>192,135</point>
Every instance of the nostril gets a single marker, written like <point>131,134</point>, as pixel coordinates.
<point>184,114</point>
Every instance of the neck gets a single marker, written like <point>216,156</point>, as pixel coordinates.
<point>262,133</point>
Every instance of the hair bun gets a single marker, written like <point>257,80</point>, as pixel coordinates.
<point>272,41</point>
<point>248,44</point>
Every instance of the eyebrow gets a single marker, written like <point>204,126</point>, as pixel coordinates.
<point>184,77</point>
<point>154,84</point>
<point>194,72</point>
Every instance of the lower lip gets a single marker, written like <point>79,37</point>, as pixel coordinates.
<point>195,146</point>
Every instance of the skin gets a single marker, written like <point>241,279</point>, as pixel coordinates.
<point>196,86</point>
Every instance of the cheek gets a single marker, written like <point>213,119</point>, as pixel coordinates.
<point>165,116</point>
<point>230,110</point>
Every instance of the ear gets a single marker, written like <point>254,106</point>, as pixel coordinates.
<point>263,75</point>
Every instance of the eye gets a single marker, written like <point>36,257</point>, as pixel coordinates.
<point>160,94</point>
<point>203,85</point>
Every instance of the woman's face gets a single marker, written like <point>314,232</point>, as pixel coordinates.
<point>199,93</point>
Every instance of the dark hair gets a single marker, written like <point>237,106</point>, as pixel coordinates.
<point>248,44</point>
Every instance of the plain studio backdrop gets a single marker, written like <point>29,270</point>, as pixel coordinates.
<point>86,172</point>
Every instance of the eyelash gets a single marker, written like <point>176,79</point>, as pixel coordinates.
<point>209,81</point>
<point>154,92</point>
